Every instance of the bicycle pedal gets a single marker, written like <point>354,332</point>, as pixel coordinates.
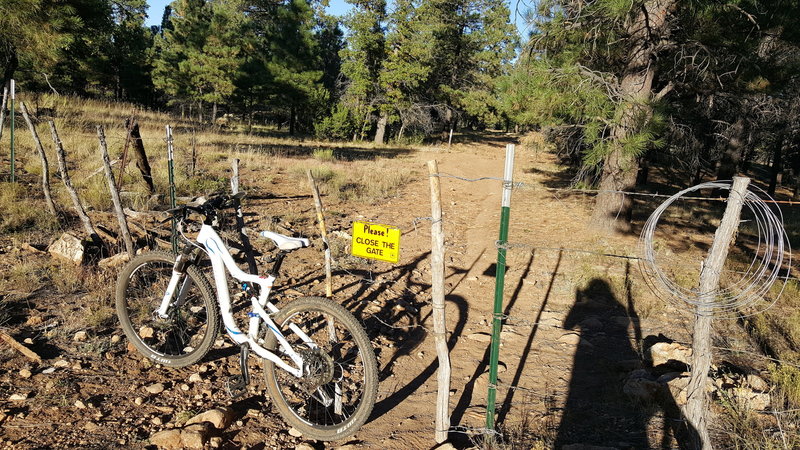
<point>237,386</point>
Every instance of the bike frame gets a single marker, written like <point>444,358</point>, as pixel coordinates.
<point>221,261</point>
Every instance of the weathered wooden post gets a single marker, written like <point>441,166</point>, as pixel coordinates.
<point>76,201</point>
<point>112,186</point>
<point>697,397</point>
<point>51,206</point>
<point>437,297</point>
<point>141,157</point>
<point>124,159</point>
<point>324,232</point>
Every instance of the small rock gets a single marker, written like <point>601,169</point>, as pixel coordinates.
<point>25,373</point>
<point>49,370</point>
<point>34,321</point>
<point>501,367</point>
<point>115,339</point>
<point>570,339</point>
<point>80,336</point>
<point>754,401</point>
<point>61,363</point>
<point>68,247</point>
<point>295,432</point>
<point>195,436</point>
<point>303,446</point>
<point>220,418</point>
<point>156,388</point>
<point>146,332</point>
<point>480,337</point>
<point>28,341</point>
<point>91,426</point>
<point>195,378</point>
<point>138,401</point>
<point>446,446</point>
<point>185,387</point>
<point>18,397</point>
<point>167,439</point>
<point>754,381</point>
<point>79,404</point>
<point>157,421</point>
<point>663,353</point>
<point>215,442</point>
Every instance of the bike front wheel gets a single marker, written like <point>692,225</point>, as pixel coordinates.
<point>191,325</point>
<point>340,381</point>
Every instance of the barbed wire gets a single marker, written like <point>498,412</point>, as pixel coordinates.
<point>531,186</point>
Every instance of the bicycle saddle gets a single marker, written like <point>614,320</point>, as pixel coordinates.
<point>286,243</point>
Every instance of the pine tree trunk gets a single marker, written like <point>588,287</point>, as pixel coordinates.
<point>636,89</point>
<point>732,157</point>
<point>777,167</point>
<point>214,113</point>
<point>291,121</point>
<point>381,130</point>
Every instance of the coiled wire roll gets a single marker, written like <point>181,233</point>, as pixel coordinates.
<point>747,296</point>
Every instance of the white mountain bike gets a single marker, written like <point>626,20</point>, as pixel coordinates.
<point>320,367</point>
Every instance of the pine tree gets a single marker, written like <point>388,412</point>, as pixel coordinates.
<point>362,60</point>
<point>176,53</point>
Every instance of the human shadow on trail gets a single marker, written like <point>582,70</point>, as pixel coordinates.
<point>601,409</point>
<point>596,410</point>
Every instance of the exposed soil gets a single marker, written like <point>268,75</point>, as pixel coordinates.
<point>575,327</point>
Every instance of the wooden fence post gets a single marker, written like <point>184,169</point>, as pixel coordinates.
<point>76,201</point>
<point>124,157</point>
<point>324,232</point>
<point>697,397</point>
<point>112,186</point>
<point>43,156</point>
<point>141,157</point>
<point>437,297</point>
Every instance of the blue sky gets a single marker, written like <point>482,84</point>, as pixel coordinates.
<point>339,7</point>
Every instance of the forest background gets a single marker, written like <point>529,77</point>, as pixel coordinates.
<point>706,86</point>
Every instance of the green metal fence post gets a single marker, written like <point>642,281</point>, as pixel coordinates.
<point>13,157</point>
<point>172,202</point>
<point>500,275</point>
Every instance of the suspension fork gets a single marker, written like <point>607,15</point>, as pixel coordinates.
<point>182,262</point>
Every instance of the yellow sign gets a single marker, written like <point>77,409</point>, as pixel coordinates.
<point>371,240</point>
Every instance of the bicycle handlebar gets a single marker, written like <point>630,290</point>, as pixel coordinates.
<point>208,207</point>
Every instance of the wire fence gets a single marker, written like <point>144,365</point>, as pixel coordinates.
<point>399,288</point>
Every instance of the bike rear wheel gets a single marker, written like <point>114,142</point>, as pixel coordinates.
<point>191,327</point>
<point>337,392</point>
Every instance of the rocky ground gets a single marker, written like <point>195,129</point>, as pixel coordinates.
<point>577,369</point>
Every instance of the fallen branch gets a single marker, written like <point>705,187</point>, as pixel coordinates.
<point>30,354</point>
